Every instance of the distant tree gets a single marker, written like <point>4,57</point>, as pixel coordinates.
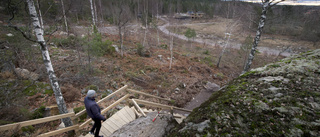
<point>190,33</point>
<point>266,4</point>
<point>64,17</point>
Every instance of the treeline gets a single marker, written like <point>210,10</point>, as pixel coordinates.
<point>297,21</point>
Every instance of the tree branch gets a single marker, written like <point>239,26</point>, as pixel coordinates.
<point>51,34</point>
<point>273,4</point>
<point>12,10</point>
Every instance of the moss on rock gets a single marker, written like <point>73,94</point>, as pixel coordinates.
<point>279,99</point>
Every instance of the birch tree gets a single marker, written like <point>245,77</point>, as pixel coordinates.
<point>266,4</point>
<point>46,59</point>
<point>92,13</point>
<point>64,16</point>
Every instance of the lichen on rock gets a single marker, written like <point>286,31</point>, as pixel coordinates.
<point>278,99</point>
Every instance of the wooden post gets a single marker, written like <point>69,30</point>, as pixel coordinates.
<point>135,103</point>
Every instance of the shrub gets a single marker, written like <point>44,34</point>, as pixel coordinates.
<point>38,113</point>
<point>140,49</point>
<point>77,110</point>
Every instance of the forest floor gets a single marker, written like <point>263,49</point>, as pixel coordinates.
<point>192,68</point>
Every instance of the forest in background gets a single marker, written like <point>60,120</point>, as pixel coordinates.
<point>297,22</point>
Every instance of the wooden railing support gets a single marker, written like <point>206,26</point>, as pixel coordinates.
<point>59,131</point>
<point>138,107</point>
<point>152,104</point>
<point>146,94</point>
<point>105,98</point>
<point>106,109</point>
<point>35,121</point>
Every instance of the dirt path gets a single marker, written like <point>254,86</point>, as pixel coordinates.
<point>233,45</point>
<point>199,99</point>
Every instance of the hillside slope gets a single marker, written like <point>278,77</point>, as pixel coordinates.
<point>282,98</point>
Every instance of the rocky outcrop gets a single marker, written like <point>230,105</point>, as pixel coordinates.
<point>280,99</point>
<point>144,127</point>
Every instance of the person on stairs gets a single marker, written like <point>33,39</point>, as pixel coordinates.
<point>94,111</point>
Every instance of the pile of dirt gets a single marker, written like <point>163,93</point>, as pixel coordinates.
<point>279,99</point>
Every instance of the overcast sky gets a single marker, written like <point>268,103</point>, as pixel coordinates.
<point>295,2</point>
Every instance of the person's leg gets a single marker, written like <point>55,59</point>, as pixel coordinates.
<point>94,126</point>
<point>98,126</point>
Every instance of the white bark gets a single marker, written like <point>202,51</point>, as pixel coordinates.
<point>145,31</point>
<point>65,17</point>
<point>92,13</point>
<point>40,15</point>
<point>157,24</point>
<point>263,17</point>
<point>95,11</point>
<point>171,53</point>
<point>224,49</point>
<point>46,59</point>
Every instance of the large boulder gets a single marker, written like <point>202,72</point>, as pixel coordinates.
<point>144,127</point>
<point>280,99</point>
<point>26,74</point>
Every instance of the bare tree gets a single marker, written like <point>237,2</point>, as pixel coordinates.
<point>228,32</point>
<point>64,16</point>
<point>92,13</point>
<point>46,59</point>
<point>266,4</point>
<point>123,17</point>
<point>146,19</point>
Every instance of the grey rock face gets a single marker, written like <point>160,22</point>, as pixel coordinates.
<point>144,127</point>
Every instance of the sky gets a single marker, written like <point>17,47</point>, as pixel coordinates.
<point>294,2</point>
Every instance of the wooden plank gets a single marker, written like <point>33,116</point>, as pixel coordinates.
<point>148,103</point>
<point>130,112</point>
<point>119,120</point>
<point>127,113</point>
<point>52,133</point>
<point>106,131</point>
<point>123,116</point>
<point>89,135</point>
<point>36,121</point>
<point>137,106</point>
<point>103,131</point>
<point>106,109</point>
<point>136,112</point>
<point>146,94</point>
<point>115,123</point>
<point>105,98</point>
<point>109,126</point>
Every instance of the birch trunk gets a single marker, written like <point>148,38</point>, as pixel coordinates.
<point>263,17</point>
<point>145,31</point>
<point>46,59</point>
<point>65,18</point>
<point>157,24</point>
<point>95,11</point>
<point>92,13</point>
<point>224,49</point>
<point>40,15</point>
<point>121,41</point>
<point>171,53</point>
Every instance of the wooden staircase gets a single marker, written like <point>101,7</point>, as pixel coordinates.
<point>125,116</point>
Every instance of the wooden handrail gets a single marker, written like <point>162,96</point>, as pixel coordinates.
<point>59,131</point>
<point>35,121</point>
<point>148,103</point>
<point>146,94</point>
<point>135,103</point>
<point>105,98</point>
<point>106,109</point>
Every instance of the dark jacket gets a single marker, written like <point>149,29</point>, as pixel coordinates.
<point>93,110</point>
